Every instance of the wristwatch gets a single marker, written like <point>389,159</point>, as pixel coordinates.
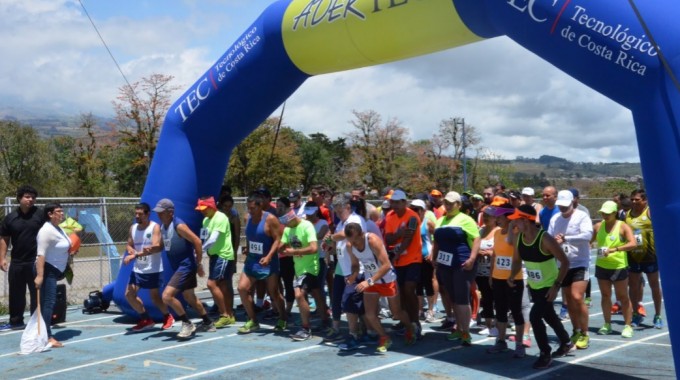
<point>370,281</point>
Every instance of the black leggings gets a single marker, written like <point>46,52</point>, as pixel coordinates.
<point>425,286</point>
<point>287,268</point>
<point>543,310</point>
<point>488,296</point>
<point>507,298</point>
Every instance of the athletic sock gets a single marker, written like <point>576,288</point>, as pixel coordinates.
<point>206,320</point>
<point>183,318</point>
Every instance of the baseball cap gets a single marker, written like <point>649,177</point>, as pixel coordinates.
<point>398,195</point>
<point>574,192</point>
<point>477,197</point>
<point>418,203</point>
<point>436,193</point>
<point>609,207</point>
<point>497,201</point>
<point>262,190</point>
<point>564,198</point>
<point>164,205</point>
<point>528,191</point>
<point>452,196</point>
<point>294,195</point>
<point>514,194</point>
<point>205,204</point>
<point>524,212</point>
<point>386,205</point>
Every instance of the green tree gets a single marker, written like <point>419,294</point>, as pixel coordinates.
<point>324,161</point>
<point>253,162</point>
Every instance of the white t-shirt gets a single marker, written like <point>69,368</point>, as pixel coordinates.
<point>142,239</point>
<point>345,263</point>
<point>577,230</point>
<point>53,243</point>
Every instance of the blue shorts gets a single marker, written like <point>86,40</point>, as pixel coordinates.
<point>183,279</point>
<point>634,267</point>
<point>221,269</point>
<point>145,280</point>
<point>353,301</point>
<point>252,267</point>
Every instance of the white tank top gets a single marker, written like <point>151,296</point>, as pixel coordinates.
<point>370,263</point>
<point>142,239</point>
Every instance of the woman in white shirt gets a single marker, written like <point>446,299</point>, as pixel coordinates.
<point>53,253</point>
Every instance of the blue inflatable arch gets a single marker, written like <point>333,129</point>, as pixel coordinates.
<point>629,54</point>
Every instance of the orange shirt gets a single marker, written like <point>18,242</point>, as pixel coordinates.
<point>503,251</point>
<point>413,253</point>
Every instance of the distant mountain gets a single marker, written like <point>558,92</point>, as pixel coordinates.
<point>52,124</point>
<point>556,167</point>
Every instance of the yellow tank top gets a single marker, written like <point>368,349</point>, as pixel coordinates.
<point>504,251</point>
<point>644,237</point>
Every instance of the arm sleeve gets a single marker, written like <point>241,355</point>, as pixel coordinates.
<point>210,240</point>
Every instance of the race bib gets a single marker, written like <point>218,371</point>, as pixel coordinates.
<point>504,263</point>
<point>566,248</point>
<point>601,252</point>
<point>445,258</point>
<point>166,243</point>
<point>255,248</point>
<point>534,275</point>
<point>142,259</point>
<point>204,233</point>
<point>638,238</point>
<point>371,267</point>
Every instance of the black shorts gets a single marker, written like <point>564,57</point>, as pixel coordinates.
<point>612,275</point>
<point>183,279</point>
<point>307,282</point>
<point>634,267</point>
<point>408,273</point>
<point>574,275</point>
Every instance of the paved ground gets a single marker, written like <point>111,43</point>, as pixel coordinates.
<point>99,346</point>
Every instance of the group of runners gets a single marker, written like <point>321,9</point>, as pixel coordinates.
<point>348,256</point>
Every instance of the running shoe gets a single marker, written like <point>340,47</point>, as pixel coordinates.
<point>332,336</point>
<point>421,315</point>
<point>418,330</point>
<point>445,326</point>
<point>223,322</point>
<point>351,343</point>
<point>484,331</point>
<point>410,337</point>
<point>520,351</point>
<point>658,322</point>
<point>168,321</point>
<point>574,336</point>
<point>144,324</point>
<point>641,309</point>
<point>302,335</point>
<point>564,313</point>
<point>606,329</point>
<point>206,327</point>
<point>466,339</point>
<point>544,361</point>
<point>563,350</point>
<point>637,320</point>
<point>429,317</point>
<point>500,346</point>
<point>588,301</point>
<point>616,308</point>
<point>385,314</point>
<point>384,343</point>
<point>248,327</point>
<point>526,340</point>
<point>627,332</point>
<point>280,325</point>
<point>8,326</point>
<point>187,329</point>
<point>583,341</point>
<point>454,336</point>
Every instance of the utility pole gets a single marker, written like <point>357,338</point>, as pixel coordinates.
<point>461,121</point>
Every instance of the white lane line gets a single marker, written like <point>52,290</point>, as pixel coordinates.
<point>591,356</point>
<point>62,324</point>
<point>248,362</point>
<point>626,341</point>
<point>355,375</point>
<point>136,354</point>
<point>72,342</point>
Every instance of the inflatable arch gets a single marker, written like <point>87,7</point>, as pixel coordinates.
<point>626,51</point>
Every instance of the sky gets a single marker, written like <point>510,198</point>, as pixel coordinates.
<point>54,63</point>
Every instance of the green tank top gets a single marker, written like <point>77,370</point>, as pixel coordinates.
<point>541,268</point>
<point>615,260</point>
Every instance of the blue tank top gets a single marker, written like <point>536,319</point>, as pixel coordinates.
<point>453,240</point>
<point>179,250</point>
<point>425,237</point>
<point>258,242</point>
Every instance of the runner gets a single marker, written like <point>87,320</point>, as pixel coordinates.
<point>263,237</point>
<point>216,238</point>
<point>185,253</point>
<point>614,238</point>
<point>539,251</point>
<point>367,250</point>
<point>144,248</point>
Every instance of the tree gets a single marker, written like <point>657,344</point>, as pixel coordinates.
<point>324,161</point>
<point>254,163</point>
<point>376,149</point>
<point>456,136</point>
<point>140,112</point>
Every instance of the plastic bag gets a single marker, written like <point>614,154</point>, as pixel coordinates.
<point>34,338</point>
